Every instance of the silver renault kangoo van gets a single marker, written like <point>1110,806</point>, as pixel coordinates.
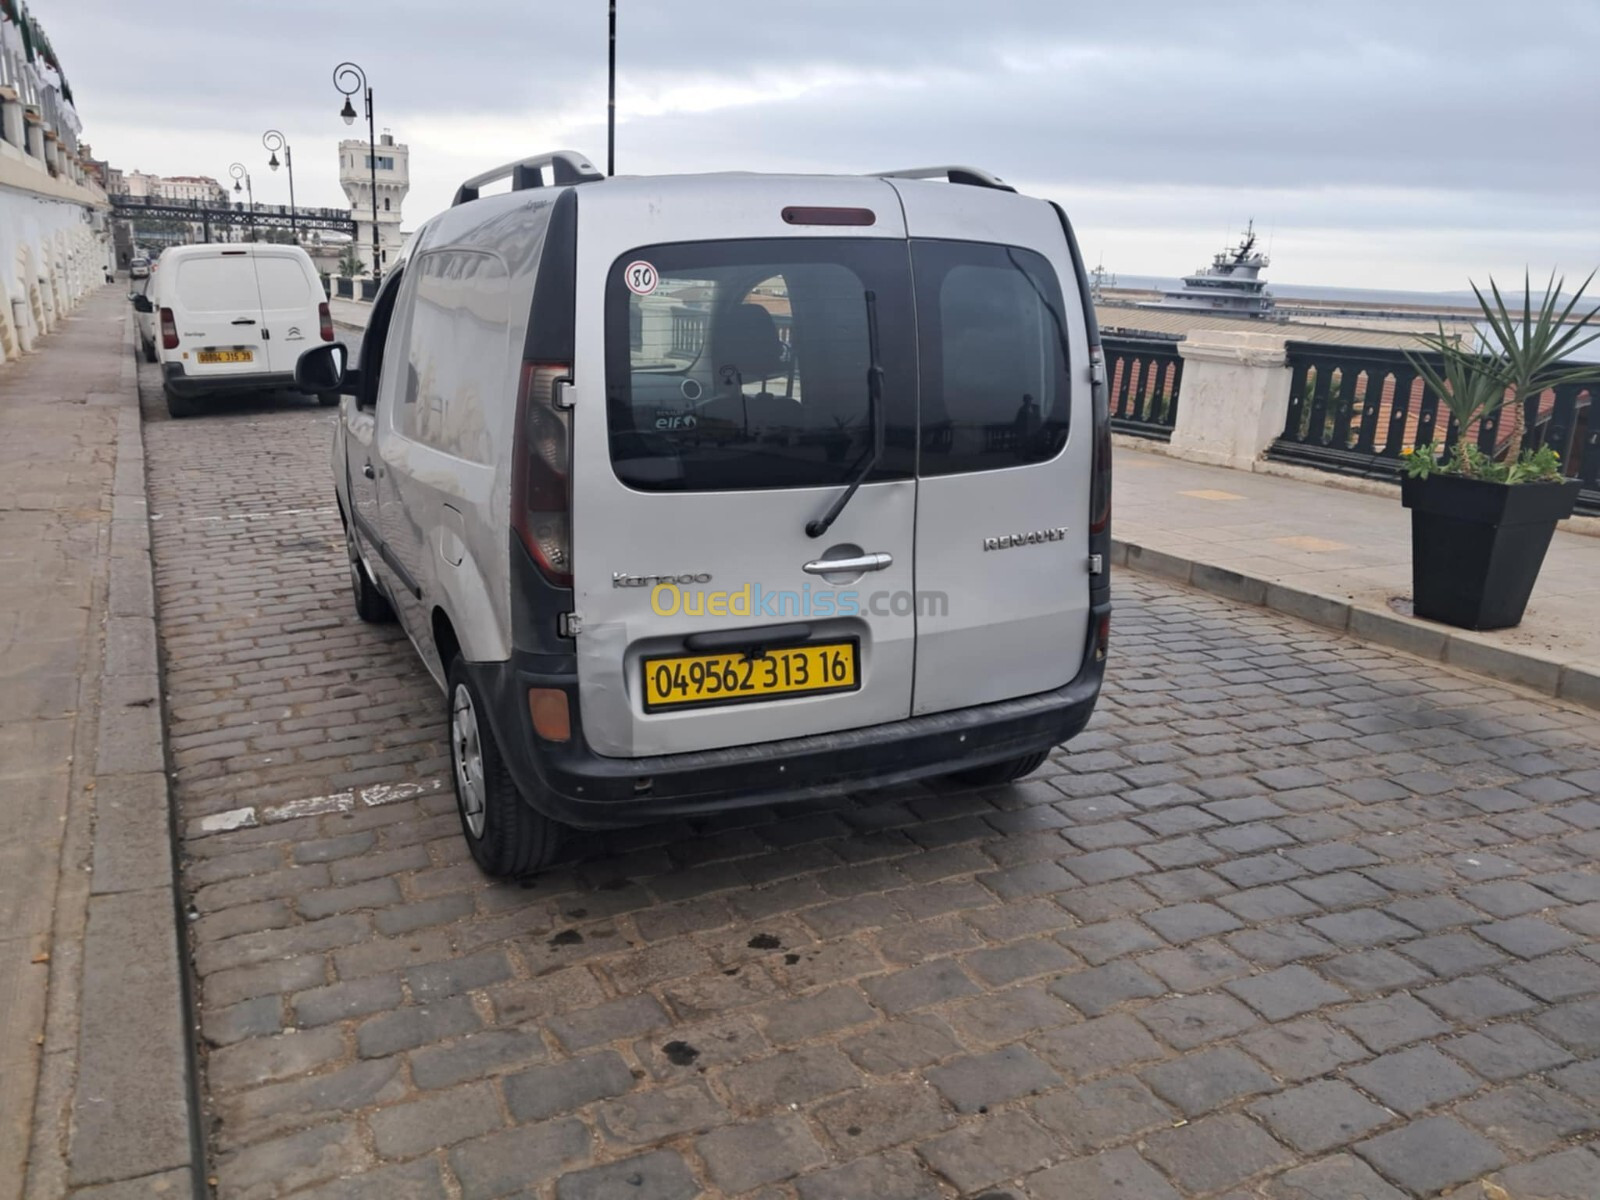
<point>695,492</point>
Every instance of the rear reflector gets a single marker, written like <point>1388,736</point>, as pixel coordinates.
<point>169,330</point>
<point>551,718</point>
<point>829,216</point>
<point>1102,637</point>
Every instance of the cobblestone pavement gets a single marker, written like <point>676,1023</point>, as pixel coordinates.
<point>1296,918</point>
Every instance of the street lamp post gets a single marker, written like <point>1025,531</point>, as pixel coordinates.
<point>350,79</point>
<point>238,172</point>
<point>275,141</point>
<point>611,96</point>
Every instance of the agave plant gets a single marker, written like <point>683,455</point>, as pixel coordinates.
<point>1530,348</point>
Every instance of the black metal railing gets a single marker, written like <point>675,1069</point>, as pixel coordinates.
<point>1144,375</point>
<point>1357,410</point>
<point>346,287</point>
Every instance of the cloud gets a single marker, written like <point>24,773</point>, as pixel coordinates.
<point>1406,145</point>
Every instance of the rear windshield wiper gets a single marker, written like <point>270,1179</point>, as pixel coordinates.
<point>820,525</point>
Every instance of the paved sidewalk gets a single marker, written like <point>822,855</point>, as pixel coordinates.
<point>57,450</point>
<point>1353,548</point>
<point>94,1095</point>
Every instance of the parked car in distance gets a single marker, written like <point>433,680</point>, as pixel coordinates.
<point>139,268</point>
<point>235,318</point>
<point>707,491</point>
<point>144,321</point>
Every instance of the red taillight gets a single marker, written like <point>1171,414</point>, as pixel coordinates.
<point>326,318</point>
<point>169,330</point>
<point>1100,479</point>
<point>541,502</point>
<point>1102,636</point>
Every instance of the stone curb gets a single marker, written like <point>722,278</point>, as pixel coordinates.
<point>135,1109</point>
<point>1380,626</point>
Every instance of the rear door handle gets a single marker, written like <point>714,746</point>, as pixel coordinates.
<point>367,471</point>
<point>841,566</point>
<point>244,321</point>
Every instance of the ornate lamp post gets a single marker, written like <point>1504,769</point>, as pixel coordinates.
<point>238,172</point>
<point>275,141</point>
<point>350,79</point>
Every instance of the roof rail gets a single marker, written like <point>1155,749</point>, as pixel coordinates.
<point>566,166</point>
<point>971,176</point>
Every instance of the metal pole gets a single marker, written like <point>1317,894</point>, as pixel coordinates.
<point>372,140</point>
<point>611,98</point>
<point>288,161</point>
<point>250,191</point>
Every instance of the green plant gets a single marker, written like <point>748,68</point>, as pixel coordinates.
<point>1531,346</point>
<point>1542,465</point>
<point>350,264</point>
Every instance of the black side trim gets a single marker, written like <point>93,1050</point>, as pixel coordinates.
<point>393,563</point>
<point>552,321</point>
<point>1084,297</point>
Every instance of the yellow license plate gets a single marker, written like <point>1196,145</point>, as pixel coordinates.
<point>699,680</point>
<point>226,356</point>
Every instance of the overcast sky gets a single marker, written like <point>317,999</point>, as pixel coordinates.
<point>1391,143</point>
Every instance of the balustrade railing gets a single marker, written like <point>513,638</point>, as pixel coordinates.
<point>1144,375</point>
<point>1357,410</point>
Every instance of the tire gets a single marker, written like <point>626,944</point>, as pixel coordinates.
<point>1009,771</point>
<point>372,606</point>
<point>179,407</point>
<point>506,836</point>
<point>328,399</point>
<point>150,354</point>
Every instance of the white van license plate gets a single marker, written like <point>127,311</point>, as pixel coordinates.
<point>226,356</point>
<point>701,680</point>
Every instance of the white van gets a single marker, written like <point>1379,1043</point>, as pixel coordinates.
<point>235,318</point>
<point>706,491</point>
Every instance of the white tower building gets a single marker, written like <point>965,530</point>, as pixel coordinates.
<point>394,181</point>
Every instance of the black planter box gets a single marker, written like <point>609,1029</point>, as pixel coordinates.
<point>1476,547</point>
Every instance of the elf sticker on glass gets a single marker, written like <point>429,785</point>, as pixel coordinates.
<point>640,277</point>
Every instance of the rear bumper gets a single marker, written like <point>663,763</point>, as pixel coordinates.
<point>571,784</point>
<point>183,384</point>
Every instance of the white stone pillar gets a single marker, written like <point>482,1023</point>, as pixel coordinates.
<point>1234,397</point>
<point>11,118</point>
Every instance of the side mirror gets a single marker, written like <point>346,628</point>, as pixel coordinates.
<point>322,369</point>
<point>141,302</point>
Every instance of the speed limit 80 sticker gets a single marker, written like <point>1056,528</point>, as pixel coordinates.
<point>640,277</point>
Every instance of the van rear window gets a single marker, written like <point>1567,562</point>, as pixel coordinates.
<point>743,364</point>
<point>283,283</point>
<point>993,344</point>
<point>218,284</point>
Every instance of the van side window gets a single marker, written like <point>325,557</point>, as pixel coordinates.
<point>456,351</point>
<point>373,340</point>
<point>993,348</point>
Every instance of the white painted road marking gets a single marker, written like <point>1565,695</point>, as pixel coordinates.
<point>371,796</point>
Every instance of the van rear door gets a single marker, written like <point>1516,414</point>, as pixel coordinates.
<point>289,299</point>
<point>1005,465</point>
<point>217,308</point>
<point>720,404</point>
